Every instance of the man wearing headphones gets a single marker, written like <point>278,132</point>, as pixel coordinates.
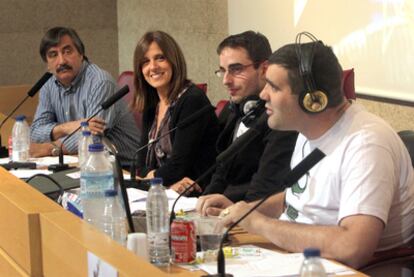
<point>360,197</point>
<point>254,171</point>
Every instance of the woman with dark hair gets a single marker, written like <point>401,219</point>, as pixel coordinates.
<point>166,97</point>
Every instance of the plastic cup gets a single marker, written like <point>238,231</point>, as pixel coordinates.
<point>210,233</point>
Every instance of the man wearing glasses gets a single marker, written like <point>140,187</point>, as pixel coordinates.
<point>253,172</point>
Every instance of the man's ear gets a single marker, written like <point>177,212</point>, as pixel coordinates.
<point>263,68</point>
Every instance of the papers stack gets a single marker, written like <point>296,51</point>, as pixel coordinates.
<point>138,198</point>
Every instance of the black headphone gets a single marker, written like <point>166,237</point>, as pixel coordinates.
<point>248,109</point>
<point>311,99</point>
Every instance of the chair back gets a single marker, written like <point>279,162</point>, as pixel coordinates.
<point>407,137</point>
<point>348,83</point>
<point>127,78</point>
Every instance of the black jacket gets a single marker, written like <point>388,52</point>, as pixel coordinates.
<point>256,169</point>
<point>193,146</point>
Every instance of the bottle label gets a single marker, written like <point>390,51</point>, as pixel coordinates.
<point>10,146</point>
<point>94,185</point>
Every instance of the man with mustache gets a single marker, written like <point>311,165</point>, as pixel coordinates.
<point>73,94</point>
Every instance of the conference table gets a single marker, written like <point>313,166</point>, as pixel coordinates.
<point>39,238</point>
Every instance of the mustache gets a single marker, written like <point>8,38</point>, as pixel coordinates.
<point>63,67</point>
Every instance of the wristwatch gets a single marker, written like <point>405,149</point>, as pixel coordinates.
<point>55,150</point>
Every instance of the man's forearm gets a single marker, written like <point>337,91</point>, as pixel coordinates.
<point>64,129</point>
<point>273,206</point>
<point>352,243</point>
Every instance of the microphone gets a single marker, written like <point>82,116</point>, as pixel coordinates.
<point>225,156</point>
<point>105,105</point>
<point>252,111</point>
<point>32,92</point>
<point>290,178</point>
<point>245,139</point>
<point>184,123</point>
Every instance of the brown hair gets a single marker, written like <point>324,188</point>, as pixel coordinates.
<point>53,37</point>
<point>145,95</point>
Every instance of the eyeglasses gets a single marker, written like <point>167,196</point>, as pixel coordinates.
<point>233,69</point>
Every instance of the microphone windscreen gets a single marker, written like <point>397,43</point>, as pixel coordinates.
<point>39,84</point>
<point>118,95</point>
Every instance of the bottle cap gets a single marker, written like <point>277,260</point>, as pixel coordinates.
<point>111,193</point>
<point>95,147</point>
<point>156,181</point>
<point>86,133</point>
<point>20,117</point>
<point>84,123</point>
<point>311,252</point>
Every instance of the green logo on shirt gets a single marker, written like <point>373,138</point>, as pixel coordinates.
<point>296,189</point>
<point>291,212</point>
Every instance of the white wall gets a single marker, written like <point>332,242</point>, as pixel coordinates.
<point>373,36</point>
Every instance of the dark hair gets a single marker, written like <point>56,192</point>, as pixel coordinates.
<point>53,36</point>
<point>326,70</point>
<point>256,45</point>
<point>145,94</point>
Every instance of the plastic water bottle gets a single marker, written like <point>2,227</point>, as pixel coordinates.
<point>114,222</point>
<point>83,151</point>
<point>20,140</point>
<point>312,265</point>
<point>84,126</point>
<point>157,224</point>
<point>96,178</point>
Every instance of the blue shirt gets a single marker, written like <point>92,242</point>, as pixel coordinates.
<point>91,87</point>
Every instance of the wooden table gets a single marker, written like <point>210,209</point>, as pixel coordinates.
<point>40,238</point>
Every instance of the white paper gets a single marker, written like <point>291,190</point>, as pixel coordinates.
<point>99,268</point>
<point>76,175</point>
<point>137,200</point>
<point>27,173</point>
<point>269,264</point>
<point>46,161</point>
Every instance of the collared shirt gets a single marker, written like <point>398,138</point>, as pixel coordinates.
<point>91,87</point>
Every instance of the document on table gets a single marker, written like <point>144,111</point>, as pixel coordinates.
<point>270,264</point>
<point>138,198</point>
<point>27,173</point>
<point>46,161</point>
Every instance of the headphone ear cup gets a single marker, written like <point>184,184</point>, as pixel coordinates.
<point>313,102</point>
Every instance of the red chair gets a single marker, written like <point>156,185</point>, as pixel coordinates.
<point>220,105</point>
<point>203,87</point>
<point>127,78</point>
<point>348,83</point>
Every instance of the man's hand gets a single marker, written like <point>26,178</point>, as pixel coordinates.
<point>180,186</point>
<point>236,211</point>
<point>212,204</point>
<point>97,126</point>
<point>40,149</point>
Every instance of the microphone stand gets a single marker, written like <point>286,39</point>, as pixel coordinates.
<point>290,178</point>
<point>199,179</point>
<point>61,165</point>
<point>3,150</point>
<point>124,194</point>
<point>105,105</point>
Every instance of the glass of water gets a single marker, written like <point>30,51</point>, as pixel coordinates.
<point>210,233</point>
